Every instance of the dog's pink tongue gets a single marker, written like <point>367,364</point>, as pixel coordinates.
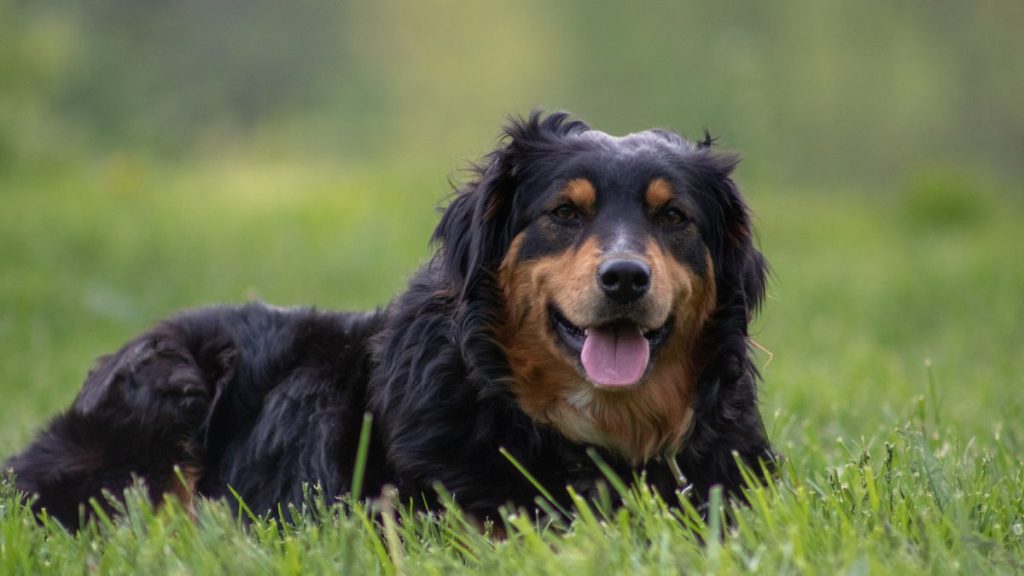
<point>616,355</point>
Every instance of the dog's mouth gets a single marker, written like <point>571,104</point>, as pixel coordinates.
<point>612,354</point>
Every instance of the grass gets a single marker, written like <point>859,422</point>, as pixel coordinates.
<point>895,324</point>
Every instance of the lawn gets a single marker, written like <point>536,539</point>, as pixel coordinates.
<point>893,386</point>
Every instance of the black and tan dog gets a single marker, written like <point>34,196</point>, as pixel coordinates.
<point>588,291</point>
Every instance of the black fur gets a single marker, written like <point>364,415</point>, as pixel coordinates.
<point>264,400</point>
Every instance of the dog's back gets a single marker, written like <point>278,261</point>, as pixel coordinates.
<point>256,398</point>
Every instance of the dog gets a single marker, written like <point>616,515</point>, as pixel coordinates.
<point>586,309</point>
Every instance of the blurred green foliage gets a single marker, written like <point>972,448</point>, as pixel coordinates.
<point>814,92</point>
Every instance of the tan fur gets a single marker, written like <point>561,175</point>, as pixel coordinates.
<point>581,192</point>
<point>644,421</point>
<point>185,492</point>
<point>658,193</point>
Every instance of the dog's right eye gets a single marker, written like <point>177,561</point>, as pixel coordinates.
<point>565,213</point>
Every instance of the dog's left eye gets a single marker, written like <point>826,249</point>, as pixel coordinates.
<point>671,216</point>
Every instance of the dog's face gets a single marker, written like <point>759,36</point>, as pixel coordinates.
<point>607,254</point>
<point>610,262</point>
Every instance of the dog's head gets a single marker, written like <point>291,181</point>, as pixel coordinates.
<point>610,255</point>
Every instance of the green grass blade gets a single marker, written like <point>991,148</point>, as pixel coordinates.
<point>361,456</point>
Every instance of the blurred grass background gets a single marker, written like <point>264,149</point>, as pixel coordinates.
<point>162,155</point>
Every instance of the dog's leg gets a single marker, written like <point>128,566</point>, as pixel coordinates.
<point>140,414</point>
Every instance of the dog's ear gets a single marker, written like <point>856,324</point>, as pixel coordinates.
<point>472,228</point>
<point>478,225</point>
<point>741,270</point>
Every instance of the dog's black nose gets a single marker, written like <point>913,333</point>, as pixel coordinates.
<point>624,279</point>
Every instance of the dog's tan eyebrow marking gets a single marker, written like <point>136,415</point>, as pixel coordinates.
<point>659,192</point>
<point>580,192</point>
